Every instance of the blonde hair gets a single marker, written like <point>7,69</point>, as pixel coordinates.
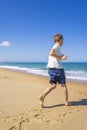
<point>57,37</point>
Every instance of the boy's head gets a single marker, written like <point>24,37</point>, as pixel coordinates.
<point>58,38</point>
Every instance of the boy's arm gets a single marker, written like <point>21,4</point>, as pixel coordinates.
<point>62,57</point>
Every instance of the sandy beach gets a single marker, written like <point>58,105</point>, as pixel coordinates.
<point>20,108</point>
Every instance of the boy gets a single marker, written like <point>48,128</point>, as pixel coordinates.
<point>55,70</point>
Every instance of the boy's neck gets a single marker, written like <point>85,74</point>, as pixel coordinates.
<point>57,43</point>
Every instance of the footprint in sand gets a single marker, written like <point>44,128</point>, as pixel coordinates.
<point>34,112</point>
<point>21,125</point>
<point>36,115</point>
<point>48,121</point>
<point>5,119</point>
<point>13,128</point>
<point>4,77</point>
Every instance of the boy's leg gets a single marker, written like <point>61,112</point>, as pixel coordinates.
<point>45,93</point>
<point>65,91</point>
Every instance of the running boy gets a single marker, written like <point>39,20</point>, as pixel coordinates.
<point>55,70</point>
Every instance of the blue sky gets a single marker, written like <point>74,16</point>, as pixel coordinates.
<point>27,28</point>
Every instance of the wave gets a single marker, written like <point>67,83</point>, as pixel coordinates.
<point>73,75</point>
<point>27,70</point>
<point>77,75</point>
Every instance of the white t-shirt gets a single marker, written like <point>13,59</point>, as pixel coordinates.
<point>52,61</point>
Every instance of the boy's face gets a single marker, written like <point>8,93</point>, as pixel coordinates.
<point>61,42</point>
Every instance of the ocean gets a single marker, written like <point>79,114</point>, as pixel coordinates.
<point>75,71</point>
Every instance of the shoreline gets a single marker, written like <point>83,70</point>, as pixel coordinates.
<point>20,108</point>
<point>40,75</point>
<point>75,71</point>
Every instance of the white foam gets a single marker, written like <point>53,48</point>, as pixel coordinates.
<point>28,70</point>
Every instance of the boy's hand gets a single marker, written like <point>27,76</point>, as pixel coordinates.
<point>64,57</point>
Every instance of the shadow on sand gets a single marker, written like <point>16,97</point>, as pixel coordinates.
<point>82,102</point>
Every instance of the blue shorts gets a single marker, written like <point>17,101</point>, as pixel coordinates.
<point>57,76</point>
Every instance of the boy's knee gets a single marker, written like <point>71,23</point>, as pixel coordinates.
<point>53,86</point>
<point>63,85</point>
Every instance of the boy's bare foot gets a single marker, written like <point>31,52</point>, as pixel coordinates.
<point>41,100</point>
<point>67,104</point>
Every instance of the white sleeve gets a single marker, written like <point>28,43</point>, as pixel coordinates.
<point>55,48</point>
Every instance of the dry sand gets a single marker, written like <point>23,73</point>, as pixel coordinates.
<point>20,109</point>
